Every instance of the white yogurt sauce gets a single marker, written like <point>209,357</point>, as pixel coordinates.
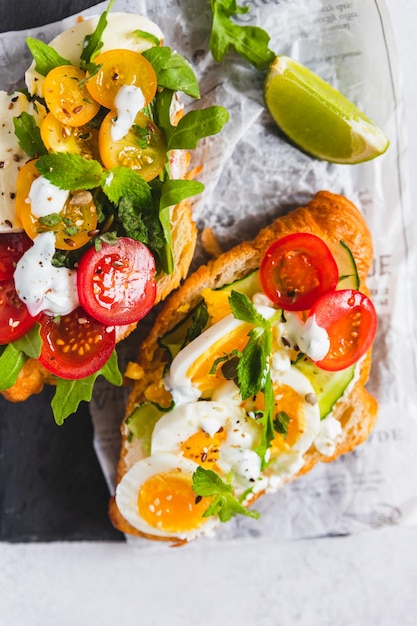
<point>40,285</point>
<point>129,101</point>
<point>45,198</point>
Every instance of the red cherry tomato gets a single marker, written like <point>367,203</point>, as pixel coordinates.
<point>15,319</point>
<point>296,270</point>
<point>350,320</point>
<point>75,345</point>
<point>116,284</point>
<point>12,247</point>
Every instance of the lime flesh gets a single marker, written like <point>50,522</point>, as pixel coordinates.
<point>317,117</point>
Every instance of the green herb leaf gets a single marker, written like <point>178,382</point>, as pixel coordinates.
<point>122,182</point>
<point>70,171</point>
<point>254,363</point>
<point>173,71</point>
<point>281,422</point>
<point>145,35</point>
<point>29,135</point>
<point>69,393</point>
<point>50,220</point>
<point>46,58</point>
<point>93,43</point>
<point>196,125</point>
<point>207,483</point>
<point>244,309</point>
<point>267,420</point>
<point>199,322</point>
<point>11,362</point>
<point>30,343</point>
<point>251,42</point>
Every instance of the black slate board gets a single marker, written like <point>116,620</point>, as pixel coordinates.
<point>51,484</point>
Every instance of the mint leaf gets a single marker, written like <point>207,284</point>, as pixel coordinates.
<point>196,125</point>
<point>122,182</point>
<point>93,43</point>
<point>11,362</point>
<point>244,309</point>
<point>173,71</point>
<point>70,171</point>
<point>251,42</point>
<point>69,393</point>
<point>207,483</point>
<point>46,58</point>
<point>29,135</point>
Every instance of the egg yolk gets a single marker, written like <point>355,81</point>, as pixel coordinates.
<point>167,501</point>
<point>204,449</point>
<point>199,372</point>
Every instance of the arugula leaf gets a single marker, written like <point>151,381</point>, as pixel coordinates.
<point>251,42</point>
<point>31,342</point>
<point>196,125</point>
<point>173,71</point>
<point>93,43</point>
<point>207,483</point>
<point>29,135</point>
<point>267,420</point>
<point>46,58</point>
<point>69,393</point>
<point>11,362</point>
<point>70,171</point>
<point>254,363</point>
<point>143,34</point>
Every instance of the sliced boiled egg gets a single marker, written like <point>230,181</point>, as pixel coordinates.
<point>156,497</point>
<point>217,434</point>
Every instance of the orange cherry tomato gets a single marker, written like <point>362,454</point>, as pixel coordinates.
<point>66,98</point>
<point>73,226</point>
<point>118,68</point>
<point>142,149</point>
<point>59,137</point>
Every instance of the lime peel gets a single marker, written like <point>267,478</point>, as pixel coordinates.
<point>317,117</point>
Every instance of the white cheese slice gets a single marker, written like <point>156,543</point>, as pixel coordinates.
<point>119,33</point>
<point>12,157</point>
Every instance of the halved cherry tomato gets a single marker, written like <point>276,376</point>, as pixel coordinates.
<point>296,270</point>
<point>350,320</point>
<point>67,97</point>
<point>118,68</point>
<point>142,149</point>
<point>73,226</point>
<point>116,284</point>
<point>75,345</point>
<point>12,247</point>
<point>15,319</point>
<point>60,137</point>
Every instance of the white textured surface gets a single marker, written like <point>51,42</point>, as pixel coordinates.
<point>364,580</point>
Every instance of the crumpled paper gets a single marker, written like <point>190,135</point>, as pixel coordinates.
<point>252,175</point>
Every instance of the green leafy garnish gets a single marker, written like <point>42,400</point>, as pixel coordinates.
<point>46,58</point>
<point>251,42</point>
<point>266,418</point>
<point>173,71</point>
<point>143,34</point>
<point>15,355</point>
<point>196,125</point>
<point>122,182</point>
<point>69,393</point>
<point>93,43</point>
<point>225,505</point>
<point>29,135</point>
<point>70,171</point>
<point>281,422</point>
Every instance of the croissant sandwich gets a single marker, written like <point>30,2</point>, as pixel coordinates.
<point>254,371</point>
<point>95,216</point>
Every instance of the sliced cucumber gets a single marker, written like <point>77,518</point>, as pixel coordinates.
<point>348,272</point>
<point>142,422</point>
<point>249,285</point>
<point>328,386</point>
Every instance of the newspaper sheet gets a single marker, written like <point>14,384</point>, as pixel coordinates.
<point>251,175</point>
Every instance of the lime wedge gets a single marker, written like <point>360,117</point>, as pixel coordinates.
<point>317,117</point>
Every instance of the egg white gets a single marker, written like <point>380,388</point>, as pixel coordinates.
<point>127,491</point>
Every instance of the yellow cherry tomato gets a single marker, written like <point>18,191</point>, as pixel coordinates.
<point>67,98</point>
<point>119,68</point>
<point>143,148</point>
<point>73,225</point>
<point>59,137</point>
